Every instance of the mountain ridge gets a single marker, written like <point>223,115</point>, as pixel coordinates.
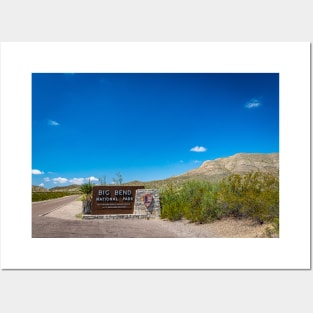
<point>239,163</point>
<point>210,170</point>
<point>215,170</point>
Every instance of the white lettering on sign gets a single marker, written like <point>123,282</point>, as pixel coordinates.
<point>123,192</point>
<point>106,199</point>
<point>128,199</point>
<point>105,195</point>
<point>102,192</point>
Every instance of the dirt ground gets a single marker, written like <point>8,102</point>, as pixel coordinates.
<point>225,228</point>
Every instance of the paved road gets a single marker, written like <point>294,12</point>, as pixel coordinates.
<point>41,208</point>
<point>44,226</point>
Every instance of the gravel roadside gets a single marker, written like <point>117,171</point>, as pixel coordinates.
<point>225,228</point>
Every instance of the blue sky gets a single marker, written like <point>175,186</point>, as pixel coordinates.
<point>147,126</point>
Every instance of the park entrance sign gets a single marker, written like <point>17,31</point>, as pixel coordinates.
<point>113,199</point>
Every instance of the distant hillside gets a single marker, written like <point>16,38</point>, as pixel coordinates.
<point>215,170</point>
<point>70,188</point>
<point>240,163</point>
<point>38,189</point>
<point>211,170</point>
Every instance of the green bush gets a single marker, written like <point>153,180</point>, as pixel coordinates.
<point>41,196</point>
<point>199,198</point>
<point>230,196</point>
<point>195,201</point>
<point>254,195</point>
<point>172,206</point>
<point>86,189</point>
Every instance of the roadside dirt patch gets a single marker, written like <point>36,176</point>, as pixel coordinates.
<point>225,228</point>
<point>67,212</point>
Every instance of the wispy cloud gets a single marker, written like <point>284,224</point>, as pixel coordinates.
<point>198,149</point>
<point>196,161</point>
<point>77,181</point>
<point>37,172</point>
<point>82,180</point>
<point>53,123</point>
<point>41,185</point>
<point>60,180</point>
<point>253,103</point>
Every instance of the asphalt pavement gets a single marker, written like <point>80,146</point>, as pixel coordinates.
<point>45,226</point>
<point>41,208</point>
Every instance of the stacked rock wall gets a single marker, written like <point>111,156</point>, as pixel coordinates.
<point>147,202</point>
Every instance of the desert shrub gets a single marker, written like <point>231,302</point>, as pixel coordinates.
<point>254,195</point>
<point>172,206</point>
<point>86,189</point>
<point>200,201</point>
<point>41,196</point>
<point>275,226</point>
<point>194,200</point>
<point>230,196</point>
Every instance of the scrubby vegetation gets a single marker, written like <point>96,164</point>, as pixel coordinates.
<point>254,195</point>
<point>86,189</point>
<point>40,196</point>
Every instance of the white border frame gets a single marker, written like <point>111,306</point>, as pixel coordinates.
<point>290,251</point>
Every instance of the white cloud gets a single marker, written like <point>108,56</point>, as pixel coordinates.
<point>60,180</point>
<point>196,161</point>
<point>53,123</point>
<point>198,149</point>
<point>77,181</point>
<point>253,103</point>
<point>41,185</point>
<point>37,172</point>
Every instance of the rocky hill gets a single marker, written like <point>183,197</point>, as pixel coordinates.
<point>70,188</point>
<point>215,170</point>
<point>211,170</point>
<point>240,163</point>
<point>38,189</point>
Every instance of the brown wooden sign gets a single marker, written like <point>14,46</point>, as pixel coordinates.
<point>113,199</point>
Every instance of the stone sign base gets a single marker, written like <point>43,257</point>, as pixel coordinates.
<point>117,216</point>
